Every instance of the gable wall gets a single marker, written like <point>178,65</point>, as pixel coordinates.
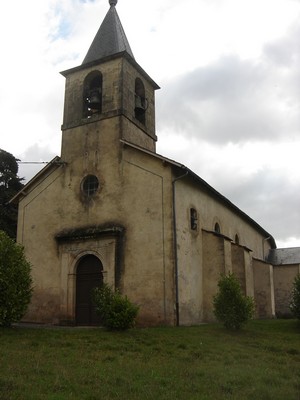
<point>135,193</point>
<point>57,204</point>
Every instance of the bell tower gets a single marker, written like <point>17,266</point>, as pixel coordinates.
<point>109,96</point>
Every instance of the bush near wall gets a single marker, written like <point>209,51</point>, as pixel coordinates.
<point>116,311</point>
<point>231,307</point>
<point>15,281</point>
<point>295,302</point>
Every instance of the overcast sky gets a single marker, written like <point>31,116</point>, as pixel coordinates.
<point>229,104</point>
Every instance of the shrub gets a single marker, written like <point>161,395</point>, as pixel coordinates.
<point>295,301</point>
<point>116,311</point>
<point>231,307</point>
<point>15,281</point>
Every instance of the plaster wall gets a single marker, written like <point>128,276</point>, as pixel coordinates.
<point>148,263</point>
<point>238,265</point>
<point>213,267</point>
<point>284,276</point>
<point>211,210</point>
<point>134,193</point>
<point>57,203</point>
<point>189,259</point>
<point>263,289</point>
<point>203,256</point>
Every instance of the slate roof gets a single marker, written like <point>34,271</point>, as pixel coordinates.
<point>285,256</point>
<point>110,38</point>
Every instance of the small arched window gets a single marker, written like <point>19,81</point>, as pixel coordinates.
<point>217,228</point>
<point>141,103</point>
<point>237,239</point>
<point>92,94</point>
<point>193,219</point>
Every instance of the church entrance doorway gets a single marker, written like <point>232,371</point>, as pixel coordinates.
<point>89,275</point>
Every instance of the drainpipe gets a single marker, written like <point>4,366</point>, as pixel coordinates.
<point>175,245</point>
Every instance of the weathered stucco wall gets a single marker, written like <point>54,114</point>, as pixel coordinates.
<point>58,204</point>
<point>284,276</point>
<point>148,263</point>
<point>135,193</point>
<point>212,210</point>
<point>203,255</point>
<point>213,267</point>
<point>263,289</point>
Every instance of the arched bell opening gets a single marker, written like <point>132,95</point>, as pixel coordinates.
<point>92,94</point>
<point>141,103</point>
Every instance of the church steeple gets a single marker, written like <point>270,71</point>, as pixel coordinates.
<point>110,38</point>
<point>109,89</point>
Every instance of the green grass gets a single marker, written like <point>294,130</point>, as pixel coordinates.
<point>207,362</point>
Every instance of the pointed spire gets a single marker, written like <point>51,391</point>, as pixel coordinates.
<point>110,38</point>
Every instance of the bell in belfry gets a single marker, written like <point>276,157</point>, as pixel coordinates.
<point>94,100</point>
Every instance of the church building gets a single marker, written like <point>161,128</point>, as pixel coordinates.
<point>110,209</point>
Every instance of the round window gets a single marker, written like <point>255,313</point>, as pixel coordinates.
<point>90,185</point>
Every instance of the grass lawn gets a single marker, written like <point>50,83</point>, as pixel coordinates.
<point>206,362</point>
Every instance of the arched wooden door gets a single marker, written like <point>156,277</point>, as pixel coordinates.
<point>88,276</point>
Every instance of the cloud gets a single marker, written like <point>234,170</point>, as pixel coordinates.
<point>229,107</point>
<point>270,199</point>
<point>236,122</point>
<point>232,100</point>
<point>33,159</point>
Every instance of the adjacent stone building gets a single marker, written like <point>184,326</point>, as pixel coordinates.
<point>110,209</point>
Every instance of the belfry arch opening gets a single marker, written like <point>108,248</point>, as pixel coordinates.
<point>92,94</point>
<point>141,103</point>
<point>89,275</point>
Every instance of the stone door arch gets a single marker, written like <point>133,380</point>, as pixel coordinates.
<point>89,275</point>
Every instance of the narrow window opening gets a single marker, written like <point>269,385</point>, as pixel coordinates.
<point>217,228</point>
<point>141,103</point>
<point>194,219</point>
<point>237,239</point>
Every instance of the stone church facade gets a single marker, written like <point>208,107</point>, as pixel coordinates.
<point>110,209</point>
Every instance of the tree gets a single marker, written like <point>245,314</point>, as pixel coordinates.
<point>230,306</point>
<point>295,301</point>
<point>15,281</point>
<point>10,184</point>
